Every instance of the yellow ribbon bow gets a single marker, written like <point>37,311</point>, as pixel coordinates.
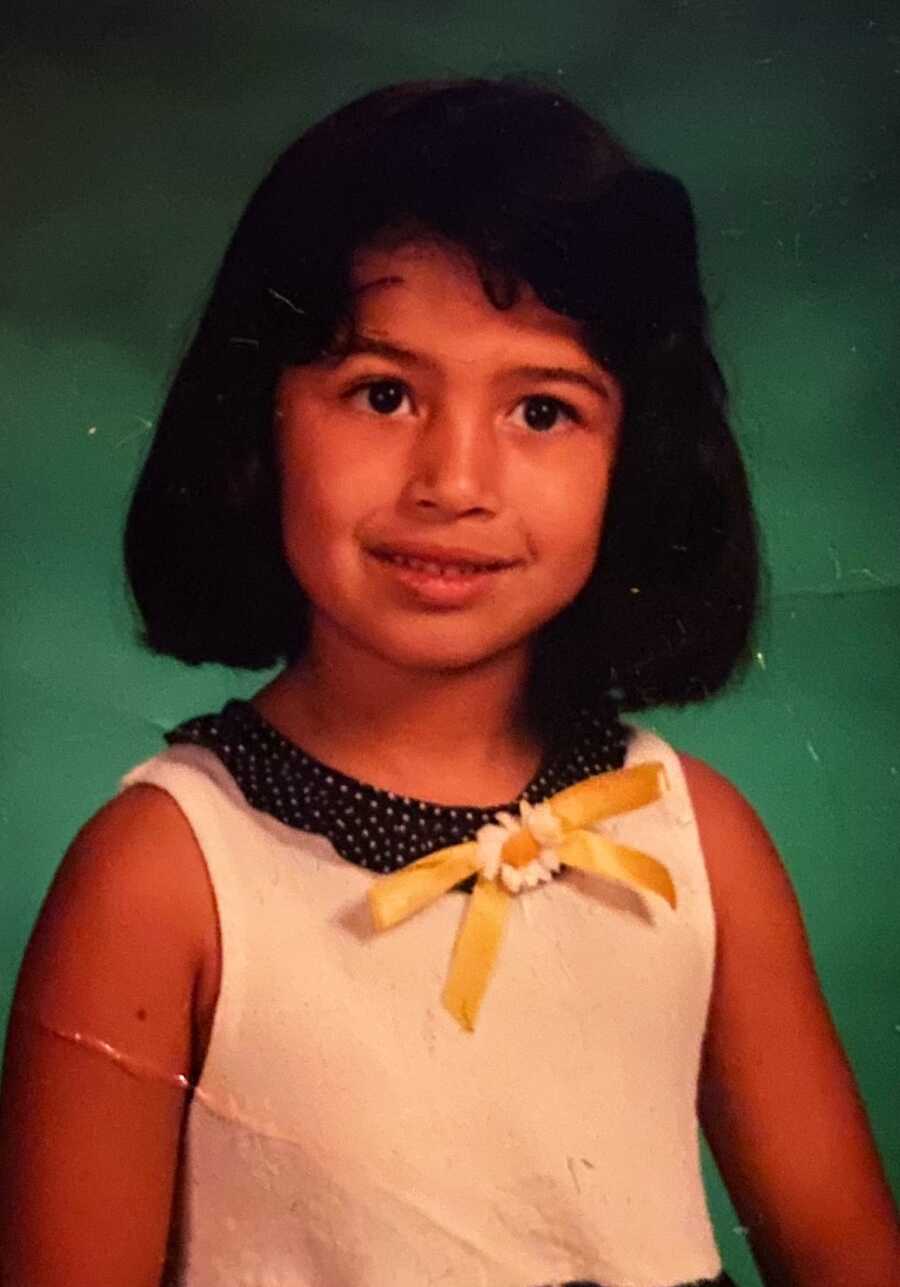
<point>515,855</point>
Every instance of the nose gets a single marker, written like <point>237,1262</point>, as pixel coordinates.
<point>454,467</point>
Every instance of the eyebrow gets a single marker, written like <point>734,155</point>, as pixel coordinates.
<point>360,344</point>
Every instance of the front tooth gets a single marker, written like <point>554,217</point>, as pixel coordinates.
<point>435,569</point>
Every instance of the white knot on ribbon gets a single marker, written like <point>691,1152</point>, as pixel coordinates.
<point>546,830</point>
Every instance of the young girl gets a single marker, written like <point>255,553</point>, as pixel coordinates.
<point>458,335</point>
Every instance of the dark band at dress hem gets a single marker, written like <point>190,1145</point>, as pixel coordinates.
<point>723,1280</point>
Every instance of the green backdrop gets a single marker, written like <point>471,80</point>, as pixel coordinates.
<point>134,133</point>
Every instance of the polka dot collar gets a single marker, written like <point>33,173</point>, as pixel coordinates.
<point>367,825</point>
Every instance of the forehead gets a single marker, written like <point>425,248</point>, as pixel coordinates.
<point>433,285</point>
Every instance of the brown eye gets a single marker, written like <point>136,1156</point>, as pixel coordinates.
<point>542,413</point>
<point>385,396</point>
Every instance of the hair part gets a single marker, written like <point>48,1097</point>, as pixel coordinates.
<point>535,191</point>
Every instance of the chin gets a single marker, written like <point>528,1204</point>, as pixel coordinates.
<point>435,646</point>
<point>448,659</point>
<point>442,650</point>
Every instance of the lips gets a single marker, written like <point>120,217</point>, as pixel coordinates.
<point>440,577</point>
<point>447,571</point>
<point>439,561</point>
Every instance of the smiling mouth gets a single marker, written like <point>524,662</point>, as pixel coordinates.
<point>448,571</point>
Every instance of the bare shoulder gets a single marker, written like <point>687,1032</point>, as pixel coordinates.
<point>102,1041</point>
<point>130,903</point>
<point>138,851</point>
<point>777,1097</point>
<point>743,864</point>
<point>144,820</point>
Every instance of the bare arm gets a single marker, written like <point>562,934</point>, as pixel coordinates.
<point>88,1145</point>
<point>778,1102</point>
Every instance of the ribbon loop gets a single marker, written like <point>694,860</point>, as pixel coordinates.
<point>395,897</point>
<point>618,791</point>
<point>591,852</point>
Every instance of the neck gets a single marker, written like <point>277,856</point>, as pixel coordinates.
<point>453,737</point>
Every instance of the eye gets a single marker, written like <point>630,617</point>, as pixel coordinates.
<point>384,397</point>
<point>542,412</point>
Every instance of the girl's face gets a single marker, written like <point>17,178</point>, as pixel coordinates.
<point>445,471</point>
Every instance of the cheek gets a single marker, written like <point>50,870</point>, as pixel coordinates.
<point>328,494</point>
<point>316,477</point>
<point>307,517</point>
<point>301,510</point>
<point>569,515</point>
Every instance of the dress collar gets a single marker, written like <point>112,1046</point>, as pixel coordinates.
<point>367,825</point>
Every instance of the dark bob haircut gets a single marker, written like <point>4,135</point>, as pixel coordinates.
<point>537,192</point>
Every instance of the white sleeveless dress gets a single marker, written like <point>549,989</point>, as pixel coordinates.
<point>345,1132</point>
